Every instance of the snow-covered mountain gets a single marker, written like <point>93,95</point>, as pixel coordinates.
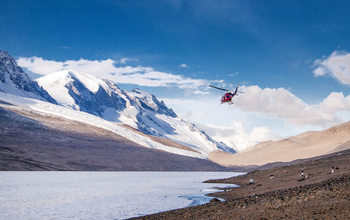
<point>138,109</point>
<point>14,81</point>
<point>71,94</point>
<point>48,109</point>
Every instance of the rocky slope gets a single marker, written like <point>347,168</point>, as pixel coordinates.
<point>14,81</point>
<point>32,140</point>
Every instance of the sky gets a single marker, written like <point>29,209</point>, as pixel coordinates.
<point>291,58</point>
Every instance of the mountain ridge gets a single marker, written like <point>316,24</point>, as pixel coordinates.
<point>138,109</point>
<point>15,81</point>
<point>104,99</point>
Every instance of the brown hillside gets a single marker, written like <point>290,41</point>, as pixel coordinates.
<point>305,145</point>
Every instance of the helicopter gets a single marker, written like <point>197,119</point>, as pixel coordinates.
<point>227,98</point>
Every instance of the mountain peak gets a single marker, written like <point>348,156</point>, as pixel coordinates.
<point>14,80</point>
<point>64,77</point>
<point>103,98</point>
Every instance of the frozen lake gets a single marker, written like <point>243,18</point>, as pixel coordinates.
<point>100,195</point>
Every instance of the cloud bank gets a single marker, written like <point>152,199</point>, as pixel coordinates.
<point>237,137</point>
<point>265,105</point>
<point>207,114</point>
<point>108,69</point>
<point>282,104</point>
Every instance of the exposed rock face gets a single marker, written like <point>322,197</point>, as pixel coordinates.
<point>95,103</point>
<point>150,102</point>
<point>14,80</point>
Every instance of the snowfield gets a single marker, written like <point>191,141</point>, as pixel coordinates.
<point>48,108</point>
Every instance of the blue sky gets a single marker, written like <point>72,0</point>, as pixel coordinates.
<point>292,57</point>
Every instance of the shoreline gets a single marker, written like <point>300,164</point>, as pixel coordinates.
<point>303,189</point>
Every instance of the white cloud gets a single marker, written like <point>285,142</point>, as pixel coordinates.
<point>320,71</point>
<point>282,104</point>
<point>124,60</point>
<point>107,69</point>
<point>40,66</point>
<point>184,66</point>
<point>337,65</point>
<point>236,136</point>
<point>195,116</point>
<point>233,74</point>
<point>200,92</point>
<point>222,122</point>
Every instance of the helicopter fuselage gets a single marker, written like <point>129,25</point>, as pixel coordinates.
<point>227,97</point>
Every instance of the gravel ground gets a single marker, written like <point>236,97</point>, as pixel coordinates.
<point>305,189</point>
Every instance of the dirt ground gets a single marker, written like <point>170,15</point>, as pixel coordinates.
<point>304,189</point>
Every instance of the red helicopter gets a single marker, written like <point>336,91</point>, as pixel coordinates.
<point>228,95</point>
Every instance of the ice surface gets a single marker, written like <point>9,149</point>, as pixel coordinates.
<point>100,195</point>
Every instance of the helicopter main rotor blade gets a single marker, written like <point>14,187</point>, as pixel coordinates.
<point>218,88</point>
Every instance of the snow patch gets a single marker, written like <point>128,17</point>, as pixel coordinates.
<point>55,85</point>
